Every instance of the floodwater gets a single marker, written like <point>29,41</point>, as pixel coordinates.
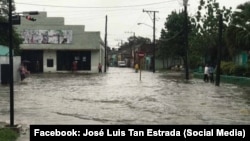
<point>119,97</point>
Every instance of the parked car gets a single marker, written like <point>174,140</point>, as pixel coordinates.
<point>122,64</point>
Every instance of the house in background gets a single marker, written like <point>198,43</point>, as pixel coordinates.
<point>242,59</point>
<point>112,57</point>
<point>51,46</point>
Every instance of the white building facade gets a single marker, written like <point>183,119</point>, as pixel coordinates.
<point>50,46</point>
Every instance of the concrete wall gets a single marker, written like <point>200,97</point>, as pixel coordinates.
<point>16,64</point>
<point>49,54</point>
<point>168,62</point>
<point>81,40</point>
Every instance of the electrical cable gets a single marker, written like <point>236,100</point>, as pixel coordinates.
<point>20,3</point>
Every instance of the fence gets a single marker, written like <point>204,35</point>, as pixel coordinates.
<point>242,81</point>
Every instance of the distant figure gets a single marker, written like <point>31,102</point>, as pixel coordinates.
<point>206,73</point>
<point>74,66</point>
<point>23,71</point>
<point>37,66</point>
<point>136,67</point>
<point>200,69</point>
<point>211,73</point>
<point>100,68</point>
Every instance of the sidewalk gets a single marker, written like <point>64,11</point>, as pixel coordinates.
<point>24,136</point>
<point>24,133</point>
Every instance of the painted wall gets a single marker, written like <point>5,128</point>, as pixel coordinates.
<point>79,40</point>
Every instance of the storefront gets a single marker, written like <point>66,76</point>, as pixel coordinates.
<point>51,46</point>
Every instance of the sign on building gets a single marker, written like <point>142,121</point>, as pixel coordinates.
<point>47,36</point>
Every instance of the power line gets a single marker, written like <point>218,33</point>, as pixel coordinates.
<point>90,7</point>
<point>154,46</point>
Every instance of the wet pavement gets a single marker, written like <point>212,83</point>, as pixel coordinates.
<point>119,97</point>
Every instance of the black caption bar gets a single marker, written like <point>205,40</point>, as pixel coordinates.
<point>180,132</point>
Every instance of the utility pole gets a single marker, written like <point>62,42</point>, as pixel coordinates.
<point>11,67</point>
<point>186,39</point>
<point>154,45</point>
<point>105,50</point>
<point>217,81</point>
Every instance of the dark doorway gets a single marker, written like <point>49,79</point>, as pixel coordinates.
<point>66,58</point>
<point>5,73</point>
<point>33,59</point>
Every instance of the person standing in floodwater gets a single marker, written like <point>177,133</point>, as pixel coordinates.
<point>100,68</point>
<point>136,67</point>
<point>211,73</point>
<point>37,66</point>
<point>74,66</point>
<point>206,73</point>
<point>23,71</point>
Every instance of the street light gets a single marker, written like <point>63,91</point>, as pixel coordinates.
<point>144,24</point>
<point>147,25</point>
<point>186,38</point>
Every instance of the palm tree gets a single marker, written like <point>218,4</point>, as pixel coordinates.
<point>238,32</point>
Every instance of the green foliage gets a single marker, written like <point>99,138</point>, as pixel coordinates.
<point>227,67</point>
<point>238,33</point>
<point>230,68</point>
<point>134,40</point>
<point>8,134</point>
<point>5,7</point>
<point>195,59</point>
<point>239,70</point>
<point>172,37</point>
<point>4,37</point>
<point>3,31</point>
<point>205,35</point>
<point>139,40</point>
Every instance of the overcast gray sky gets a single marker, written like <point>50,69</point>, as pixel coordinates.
<point>123,15</point>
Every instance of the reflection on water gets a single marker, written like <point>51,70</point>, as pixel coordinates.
<point>119,97</point>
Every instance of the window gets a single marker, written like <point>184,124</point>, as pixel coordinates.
<point>50,63</point>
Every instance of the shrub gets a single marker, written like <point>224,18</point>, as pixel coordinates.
<point>227,67</point>
<point>239,70</point>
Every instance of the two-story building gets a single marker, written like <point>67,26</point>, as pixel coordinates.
<point>51,46</point>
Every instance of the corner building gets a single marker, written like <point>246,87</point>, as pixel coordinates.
<point>50,46</point>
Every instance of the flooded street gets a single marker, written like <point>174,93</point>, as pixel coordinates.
<point>119,97</point>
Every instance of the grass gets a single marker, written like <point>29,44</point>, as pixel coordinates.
<point>7,134</point>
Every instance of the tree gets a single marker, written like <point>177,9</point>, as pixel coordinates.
<point>206,23</point>
<point>4,38</point>
<point>135,40</point>
<point>138,40</point>
<point>238,32</point>
<point>4,7</point>
<point>171,43</point>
